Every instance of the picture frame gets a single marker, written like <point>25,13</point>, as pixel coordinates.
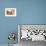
<point>10,12</point>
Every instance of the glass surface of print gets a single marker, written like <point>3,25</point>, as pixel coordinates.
<point>10,11</point>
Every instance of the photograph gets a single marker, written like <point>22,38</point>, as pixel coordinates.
<point>28,33</point>
<point>10,11</point>
<point>22,22</point>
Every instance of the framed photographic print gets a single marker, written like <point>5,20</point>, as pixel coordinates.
<point>32,32</point>
<point>10,11</point>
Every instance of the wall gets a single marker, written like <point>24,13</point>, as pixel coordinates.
<point>28,12</point>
